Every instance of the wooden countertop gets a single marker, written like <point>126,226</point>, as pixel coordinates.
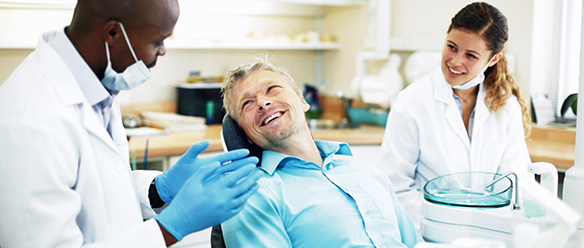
<point>555,145</point>
<point>548,144</point>
<point>176,143</point>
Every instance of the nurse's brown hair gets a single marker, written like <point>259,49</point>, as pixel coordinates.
<point>489,23</point>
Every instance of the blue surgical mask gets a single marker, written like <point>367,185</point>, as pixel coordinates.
<point>132,77</point>
<point>474,81</point>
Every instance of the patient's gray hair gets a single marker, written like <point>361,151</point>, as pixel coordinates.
<point>234,76</point>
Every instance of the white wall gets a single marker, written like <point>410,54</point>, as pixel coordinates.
<point>422,20</point>
<point>23,27</point>
<point>349,25</point>
<point>177,63</point>
<point>425,22</point>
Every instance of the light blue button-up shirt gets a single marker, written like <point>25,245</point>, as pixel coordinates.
<point>344,203</point>
<point>470,120</point>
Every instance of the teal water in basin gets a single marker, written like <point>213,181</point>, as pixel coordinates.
<point>468,199</point>
<point>467,189</point>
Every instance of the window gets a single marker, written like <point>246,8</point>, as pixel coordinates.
<point>556,50</point>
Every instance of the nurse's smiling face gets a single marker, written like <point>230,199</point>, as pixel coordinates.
<point>268,109</point>
<point>464,56</point>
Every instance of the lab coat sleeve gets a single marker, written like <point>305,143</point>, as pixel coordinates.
<point>399,155</point>
<point>142,181</point>
<point>258,225</point>
<point>39,161</point>
<point>516,155</point>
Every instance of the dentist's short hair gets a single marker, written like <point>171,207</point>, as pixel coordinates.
<point>233,77</point>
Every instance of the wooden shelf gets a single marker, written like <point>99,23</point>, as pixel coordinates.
<point>37,4</point>
<point>70,4</point>
<point>17,44</point>
<point>211,46</point>
<point>324,2</point>
<point>253,45</point>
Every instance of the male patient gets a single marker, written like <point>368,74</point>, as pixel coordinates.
<point>313,193</point>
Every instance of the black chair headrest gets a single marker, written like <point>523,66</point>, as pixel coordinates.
<point>235,138</point>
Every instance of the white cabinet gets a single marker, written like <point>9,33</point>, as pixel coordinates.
<point>220,24</point>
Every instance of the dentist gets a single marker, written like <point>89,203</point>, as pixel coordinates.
<point>64,166</point>
<point>467,115</point>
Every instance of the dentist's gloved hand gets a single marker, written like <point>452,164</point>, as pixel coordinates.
<point>209,197</point>
<point>169,183</point>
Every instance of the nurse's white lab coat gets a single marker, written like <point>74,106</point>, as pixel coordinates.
<point>65,182</point>
<point>425,137</point>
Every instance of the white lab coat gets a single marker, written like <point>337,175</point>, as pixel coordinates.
<point>425,137</point>
<point>65,182</point>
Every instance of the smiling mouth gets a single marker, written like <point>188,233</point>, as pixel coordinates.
<point>271,118</point>
<point>454,71</point>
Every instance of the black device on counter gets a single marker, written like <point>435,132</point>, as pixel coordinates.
<point>200,99</point>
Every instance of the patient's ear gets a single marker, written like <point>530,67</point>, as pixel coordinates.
<point>305,105</point>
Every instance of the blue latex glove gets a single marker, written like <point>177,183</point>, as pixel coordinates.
<point>169,183</point>
<point>209,197</point>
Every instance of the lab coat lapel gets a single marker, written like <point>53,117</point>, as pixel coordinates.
<point>118,132</point>
<point>481,111</point>
<point>68,89</point>
<point>69,92</point>
<point>443,93</point>
<point>95,128</point>
<point>50,63</point>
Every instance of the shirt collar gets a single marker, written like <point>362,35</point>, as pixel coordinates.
<point>271,160</point>
<point>90,85</point>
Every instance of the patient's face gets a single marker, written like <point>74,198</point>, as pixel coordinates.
<point>268,109</point>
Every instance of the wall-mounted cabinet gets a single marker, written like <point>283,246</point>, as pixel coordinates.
<point>203,25</point>
<point>252,45</point>
<point>213,36</point>
<point>323,2</point>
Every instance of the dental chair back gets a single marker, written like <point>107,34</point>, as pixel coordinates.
<point>232,137</point>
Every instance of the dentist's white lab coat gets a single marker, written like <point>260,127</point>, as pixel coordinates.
<point>425,137</point>
<point>64,181</point>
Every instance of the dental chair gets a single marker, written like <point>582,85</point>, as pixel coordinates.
<point>232,137</point>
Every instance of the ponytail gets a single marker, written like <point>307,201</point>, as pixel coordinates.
<point>500,84</point>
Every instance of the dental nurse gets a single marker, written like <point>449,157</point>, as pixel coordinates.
<point>467,115</point>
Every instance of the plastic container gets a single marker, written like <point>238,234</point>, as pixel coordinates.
<point>368,116</point>
<point>467,189</point>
